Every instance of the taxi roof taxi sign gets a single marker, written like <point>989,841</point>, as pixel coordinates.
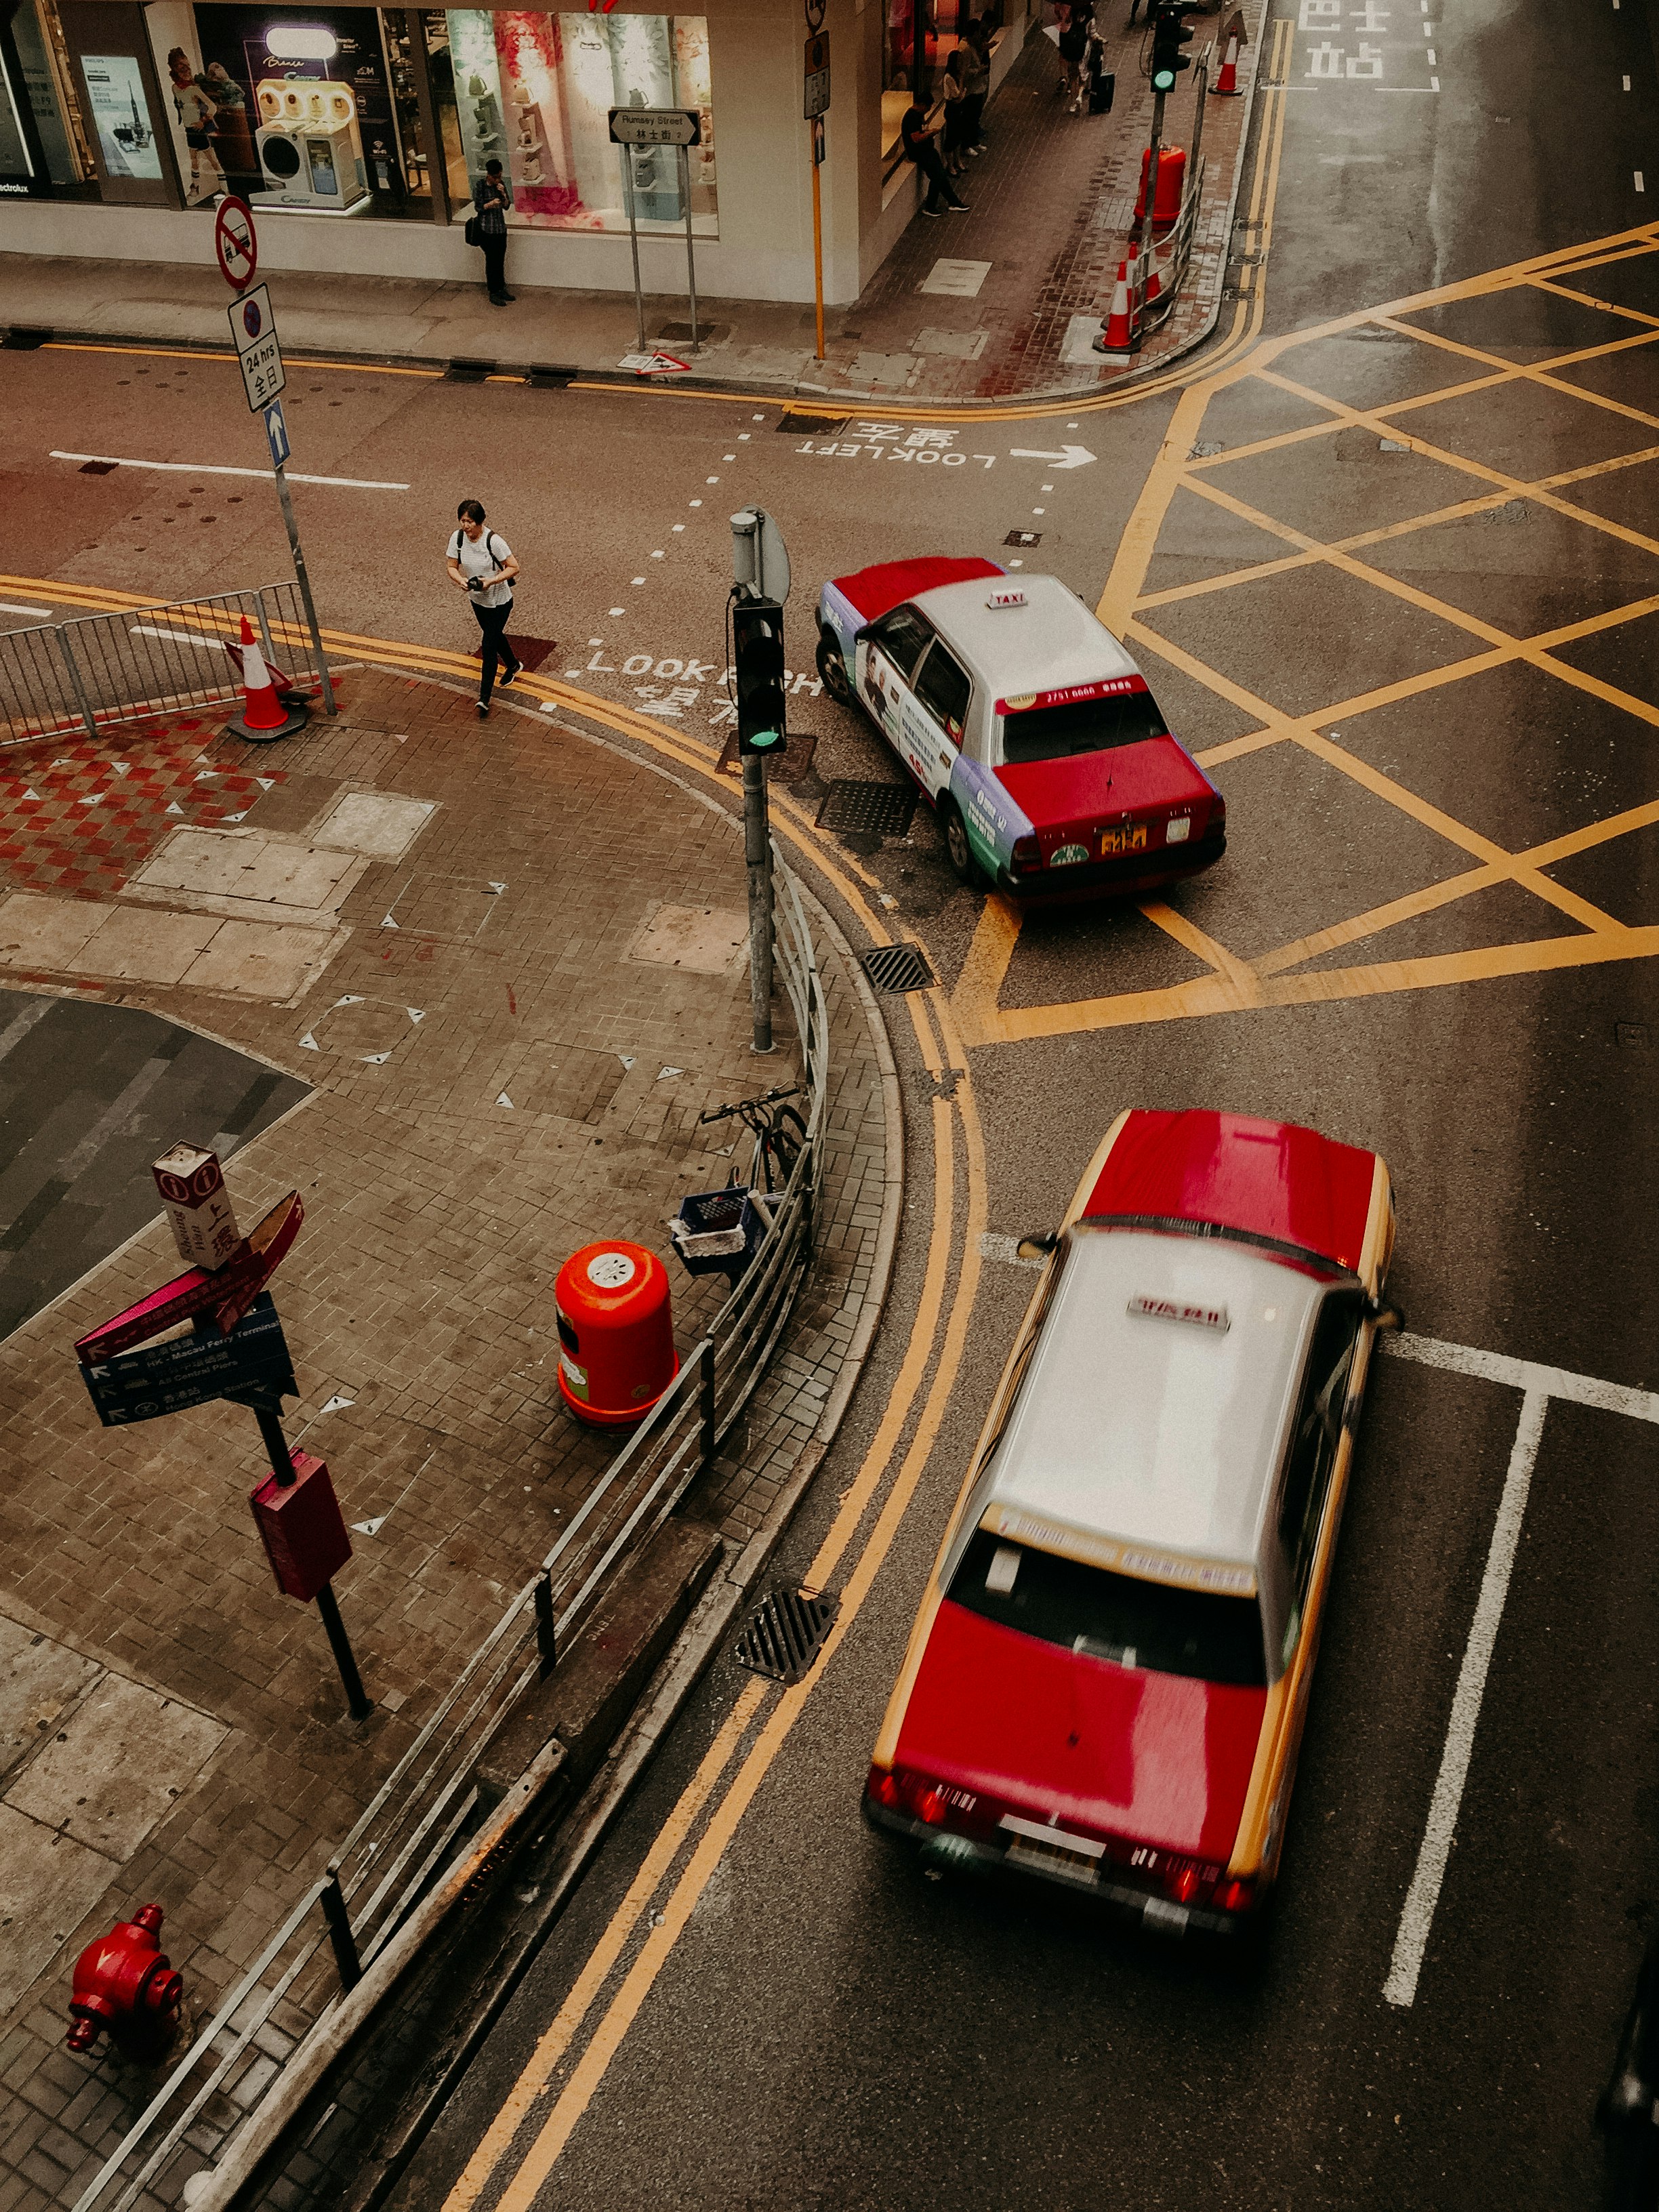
<point>1007,595</point>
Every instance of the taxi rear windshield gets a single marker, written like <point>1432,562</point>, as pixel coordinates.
<point>1081,726</point>
<point>1111,1616</point>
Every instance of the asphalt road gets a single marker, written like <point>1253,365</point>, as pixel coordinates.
<point>792,2017</point>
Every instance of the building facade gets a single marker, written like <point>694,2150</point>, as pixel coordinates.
<point>358,133</point>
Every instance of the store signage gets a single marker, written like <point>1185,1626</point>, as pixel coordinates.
<point>227,1296</point>
<point>817,98</point>
<point>655,126</point>
<point>234,243</point>
<point>253,327</point>
<point>193,1371</point>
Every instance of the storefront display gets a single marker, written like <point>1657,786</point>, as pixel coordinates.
<point>304,116</point>
<point>119,108</point>
<point>61,157</point>
<point>534,93</point>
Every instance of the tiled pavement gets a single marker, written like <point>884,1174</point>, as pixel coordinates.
<point>173,1727</point>
<point>1050,209</point>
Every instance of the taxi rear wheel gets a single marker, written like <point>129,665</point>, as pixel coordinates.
<point>832,667</point>
<point>967,868</point>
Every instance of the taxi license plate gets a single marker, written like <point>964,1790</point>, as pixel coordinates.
<point>1131,838</point>
<point>1051,1858</point>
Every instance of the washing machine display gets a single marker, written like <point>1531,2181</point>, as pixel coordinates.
<point>310,148</point>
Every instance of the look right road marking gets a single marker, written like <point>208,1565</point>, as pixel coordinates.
<point>1537,1385</point>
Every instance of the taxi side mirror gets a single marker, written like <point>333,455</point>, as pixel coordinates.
<point>1038,1248</point>
<point>1382,1317</point>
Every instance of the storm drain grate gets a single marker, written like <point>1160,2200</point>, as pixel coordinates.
<point>784,1633</point>
<point>1023,537</point>
<point>546,376</point>
<point>468,371</point>
<point>897,967</point>
<point>815,426</point>
<point>872,810</point>
<point>18,339</point>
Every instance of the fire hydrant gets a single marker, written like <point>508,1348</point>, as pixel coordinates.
<point>124,1983</point>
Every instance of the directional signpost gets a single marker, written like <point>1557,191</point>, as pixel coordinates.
<point>632,129</point>
<point>259,354</point>
<point>235,1350</point>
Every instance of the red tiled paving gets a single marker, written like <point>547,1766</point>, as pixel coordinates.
<point>83,815</point>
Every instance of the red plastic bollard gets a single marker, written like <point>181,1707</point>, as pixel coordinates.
<point>617,1352</point>
<point>126,1986</point>
<point>1171,183</point>
<point>301,1527</point>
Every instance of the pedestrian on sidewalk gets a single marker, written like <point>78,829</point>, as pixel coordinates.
<point>977,67</point>
<point>481,562</point>
<point>917,134</point>
<point>1076,34</point>
<point>488,229</point>
<point>955,88</point>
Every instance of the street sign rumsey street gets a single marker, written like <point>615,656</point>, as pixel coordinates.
<point>655,126</point>
<point>253,327</point>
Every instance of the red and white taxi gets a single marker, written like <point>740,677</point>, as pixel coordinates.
<point>1027,727</point>
<point>1107,1682</point>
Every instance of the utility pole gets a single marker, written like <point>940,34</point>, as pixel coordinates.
<point>1169,34</point>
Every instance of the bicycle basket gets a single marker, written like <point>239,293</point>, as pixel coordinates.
<point>709,1230</point>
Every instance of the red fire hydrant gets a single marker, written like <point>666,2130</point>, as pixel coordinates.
<point>124,1983</point>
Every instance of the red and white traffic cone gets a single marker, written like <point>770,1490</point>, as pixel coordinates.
<point>1228,79</point>
<point>1117,333</point>
<point>1154,282</point>
<point>264,717</point>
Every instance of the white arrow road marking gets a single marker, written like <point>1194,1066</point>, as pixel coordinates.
<point>211,469</point>
<point>1068,457</point>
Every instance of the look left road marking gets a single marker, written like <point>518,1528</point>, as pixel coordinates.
<point>1537,1385</point>
<point>213,468</point>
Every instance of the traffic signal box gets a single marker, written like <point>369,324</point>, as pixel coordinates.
<point>758,665</point>
<point>1171,33</point>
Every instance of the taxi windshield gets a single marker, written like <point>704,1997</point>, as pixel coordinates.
<point>1081,726</point>
<point>1104,1615</point>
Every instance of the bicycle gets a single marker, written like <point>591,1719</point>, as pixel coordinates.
<point>779,1131</point>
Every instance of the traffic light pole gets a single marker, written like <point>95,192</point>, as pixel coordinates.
<point>757,853</point>
<point>1144,258</point>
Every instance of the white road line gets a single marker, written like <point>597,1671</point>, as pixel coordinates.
<point>178,636</point>
<point>1538,1384</point>
<point>212,469</point>
<point>1641,182</point>
<point>1528,1375</point>
<point>1418,1917</point>
<point>11,607</point>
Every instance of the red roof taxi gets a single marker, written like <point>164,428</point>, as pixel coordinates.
<point>1108,1679</point>
<point>1026,724</point>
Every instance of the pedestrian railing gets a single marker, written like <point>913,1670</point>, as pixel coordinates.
<point>419,1820</point>
<point>98,671</point>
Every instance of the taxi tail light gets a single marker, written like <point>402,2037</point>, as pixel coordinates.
<point>1028,854</point>
<point>1237,1895</point>
<point>918,1796</point>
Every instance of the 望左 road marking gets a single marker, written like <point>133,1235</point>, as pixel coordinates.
<point>218,469</point>
<point>1538,1385</point>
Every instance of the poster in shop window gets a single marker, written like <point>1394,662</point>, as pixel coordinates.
<point>120,115</point>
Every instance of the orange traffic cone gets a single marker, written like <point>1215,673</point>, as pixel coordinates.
<point>1228,79</point>
<point>264,717</point>
<point>1154,282</point>
<point>1117,333</point>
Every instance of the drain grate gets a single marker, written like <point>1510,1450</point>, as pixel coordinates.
<point>785,1634</point>
<point>1023,537</point>
<point>468,371</point>
<point>815,426</point>
<point>897,967</point>
<point>546,376</point>
<point>871,810</point>
<point>19,339</point>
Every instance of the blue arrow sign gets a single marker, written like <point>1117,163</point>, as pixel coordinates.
<point>277,433</point>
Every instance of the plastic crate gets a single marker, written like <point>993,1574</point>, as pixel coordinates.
<point>711,1233</point>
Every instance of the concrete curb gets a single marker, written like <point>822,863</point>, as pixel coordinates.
<point>590,1819</point>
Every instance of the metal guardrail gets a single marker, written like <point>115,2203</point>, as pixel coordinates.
<point>419,1818</point>
<point>97,671</point>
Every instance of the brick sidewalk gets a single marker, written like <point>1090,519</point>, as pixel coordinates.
<point>508,962</point>
<point>1051,203</point>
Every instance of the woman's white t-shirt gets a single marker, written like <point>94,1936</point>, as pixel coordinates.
<point>480,557</point>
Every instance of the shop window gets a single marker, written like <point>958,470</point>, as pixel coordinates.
<point>534,92</point>
<point>48,87</point>
<point>312,111</point>
<point>919,35</point>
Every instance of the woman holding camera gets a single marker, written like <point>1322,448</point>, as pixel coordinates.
<point>481,563</point>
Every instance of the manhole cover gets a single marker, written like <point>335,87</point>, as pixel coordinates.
<point>785,1634</point>
<point>897,967</point>
<point>815,426</point>
<point>1023,537</point>
<point>875,810</point>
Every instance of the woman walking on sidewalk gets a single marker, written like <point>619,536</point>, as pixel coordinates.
<point>1075,37</point>
<point>481,562</point>
<point>488,229</point>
